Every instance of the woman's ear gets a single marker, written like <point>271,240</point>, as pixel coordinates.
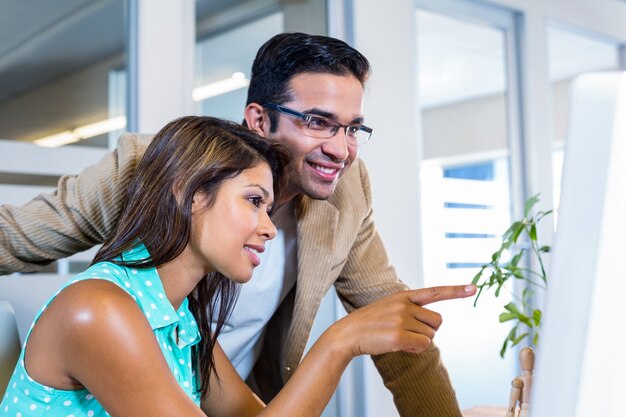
<point>198,202</point>
<point>256,119</point>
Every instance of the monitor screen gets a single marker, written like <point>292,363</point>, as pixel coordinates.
<point>581,358</point>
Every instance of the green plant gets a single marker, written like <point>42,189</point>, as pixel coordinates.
<point>498,272</point>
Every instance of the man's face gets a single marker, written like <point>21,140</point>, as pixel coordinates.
<point>318,163</point>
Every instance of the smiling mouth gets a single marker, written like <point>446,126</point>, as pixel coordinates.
<point>326,172</point>
<point>254,255</point>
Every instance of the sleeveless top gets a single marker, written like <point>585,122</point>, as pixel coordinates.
<point>26,397</point>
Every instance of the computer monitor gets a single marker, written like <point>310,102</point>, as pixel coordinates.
<point>581,358</point>
<point>9,344</point>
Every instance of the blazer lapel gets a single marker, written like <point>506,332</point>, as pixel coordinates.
<point>316,225</point>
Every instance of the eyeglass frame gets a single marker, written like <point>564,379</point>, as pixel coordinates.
<point>306,117</point>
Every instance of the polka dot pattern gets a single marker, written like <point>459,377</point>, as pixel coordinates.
<point>27,397</point>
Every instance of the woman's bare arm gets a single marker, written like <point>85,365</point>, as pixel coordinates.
<point>103,342</point>
<point>396,323</point>
<point>230,396</point>
<point>100,339</point>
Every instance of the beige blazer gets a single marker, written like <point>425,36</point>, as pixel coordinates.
<point>337,245</point>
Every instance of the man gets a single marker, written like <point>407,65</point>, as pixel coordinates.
<point>306,92</point>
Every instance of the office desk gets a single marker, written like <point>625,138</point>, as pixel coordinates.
<point>484,411</point>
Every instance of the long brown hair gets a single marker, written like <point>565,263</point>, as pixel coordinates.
<point>190,154</point>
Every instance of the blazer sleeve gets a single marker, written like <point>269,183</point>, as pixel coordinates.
<point>419,382</point>
<point>79,214</point>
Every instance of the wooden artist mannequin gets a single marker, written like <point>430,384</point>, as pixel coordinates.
<point>520,386</point>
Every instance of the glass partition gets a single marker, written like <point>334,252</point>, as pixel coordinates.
<point>465,93</point>
<point>223,62</point>
<point>56,63</point>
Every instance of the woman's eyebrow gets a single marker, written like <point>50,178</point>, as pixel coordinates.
<point>254,185</point>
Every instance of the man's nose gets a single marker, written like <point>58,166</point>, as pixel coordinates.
<point>337,146</point>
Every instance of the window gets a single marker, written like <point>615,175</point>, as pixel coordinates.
<point>223,63</point>
<point>467,95</point>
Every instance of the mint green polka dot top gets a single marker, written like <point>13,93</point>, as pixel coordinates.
<point>26,397</point>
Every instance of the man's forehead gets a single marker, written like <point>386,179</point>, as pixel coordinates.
<point>328,95</point>
<point>304,79</point>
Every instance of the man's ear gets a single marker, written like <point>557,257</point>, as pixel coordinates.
<point>257,119</point>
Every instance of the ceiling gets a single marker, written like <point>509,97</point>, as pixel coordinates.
<point>42,40</point>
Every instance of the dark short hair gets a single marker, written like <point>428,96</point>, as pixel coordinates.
<point>288,54</point>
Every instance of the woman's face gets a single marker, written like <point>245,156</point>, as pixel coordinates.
<point>228,236</point>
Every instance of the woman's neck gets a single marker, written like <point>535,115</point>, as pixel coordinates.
<point>179,277</point>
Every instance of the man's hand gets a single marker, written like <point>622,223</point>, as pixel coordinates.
<point>398,322</point>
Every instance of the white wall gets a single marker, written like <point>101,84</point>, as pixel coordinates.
<point>384,35</point>
<point>161,62</point>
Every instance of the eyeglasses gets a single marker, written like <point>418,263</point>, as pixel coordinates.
<point>323,128</point>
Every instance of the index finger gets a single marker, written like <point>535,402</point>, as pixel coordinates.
<point>424,296</point>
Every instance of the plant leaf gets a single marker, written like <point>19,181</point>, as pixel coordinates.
<point>517,230</point>
<point>525,319</point>
<point>518,339</point>
<point>495,257</point>
<point>510,336</point>
<point>512,308</point>
<point>515,260</point>
<point>530,203</point>
<point>477,276</point>
<point>480,291</point>
<point>515,226</point>
<point>504,346</point>
<point>542,214</point>
<point>500,271</point>
<point>506,317</point>
<point>518,274</point>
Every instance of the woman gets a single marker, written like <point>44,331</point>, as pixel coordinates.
<point>131,336</point>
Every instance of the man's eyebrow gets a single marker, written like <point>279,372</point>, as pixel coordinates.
<point>331,116</point>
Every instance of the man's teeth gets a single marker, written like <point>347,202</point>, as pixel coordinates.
<point>324,169</point>
<point>252,250</point>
